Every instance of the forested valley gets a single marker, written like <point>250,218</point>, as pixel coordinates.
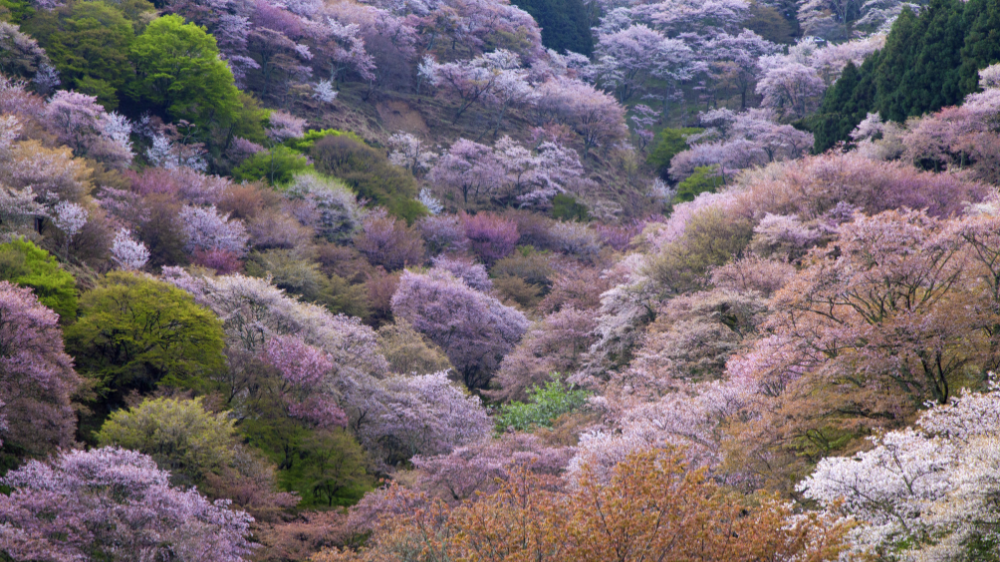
<point>491,280</point>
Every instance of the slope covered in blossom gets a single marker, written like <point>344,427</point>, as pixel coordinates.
<point>412,280</point>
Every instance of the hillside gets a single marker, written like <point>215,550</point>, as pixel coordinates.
<point>443,280</point>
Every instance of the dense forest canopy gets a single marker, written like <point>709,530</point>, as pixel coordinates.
<point>442,280</point>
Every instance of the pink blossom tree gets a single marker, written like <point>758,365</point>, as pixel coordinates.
<point>388,242</point>
<point>37,379</point>
<point>594,115</point>
<point>481,466</point>
<point>117,505</point>
<point>490,236</point>
<point>475,330</point>
<point>628,59</point>
<point>789,87</point>
<point>423,415</point>
<point>302,369</point>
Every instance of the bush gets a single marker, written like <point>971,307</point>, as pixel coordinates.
<point>517,290</point>
<point>303,277</point>
<point>277,166</point>
<point>712,238</point>
<point>408,352</point>
<point>179,434</point>
<point>162,233</point>
<point>566,207</point>
<point>388,242</point>
<point>575,239</point>
<point>305,143</point>
<point>533,229</point>
<point>668,143</point>
<point>443,233</point>
<point>370,174</point>
<point>532,267</point>
<point>329,206</point>
<point>543,407</point>
<point>491,237</point>
<point>705,179</point>
<point>27,265</point>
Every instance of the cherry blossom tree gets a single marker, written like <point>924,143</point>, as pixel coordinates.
<point>469,168</point>
<point>409,152</point>
<point>20,55</point>
<point>743,51</point>
<point>206,231</point>
<point>554,345</point>
<point>594,115</point>
<point>483,465</point>
<point>424,415</point>
<point>118,505</point>
<point>70,218</point>
<point>387,241</point>
<point>790,87</point>
<point>37,379</point>
<point>475,330</point>
<point>82,124</point>
<point>490,236</point>
<point>922,490</point>
<point>128,253</point>
<point>302,368</point>
<point>493,78</point>
<point>508,173</point>
<point>629,58</point>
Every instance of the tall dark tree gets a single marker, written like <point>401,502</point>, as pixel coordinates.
<point>565,24</point>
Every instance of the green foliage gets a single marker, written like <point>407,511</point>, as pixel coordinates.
<point>135,334</point>
<point>303,277</point>
<point>565,24</point>
<point>929,61</point>
<point>26,264</point>
<point>704,179</point>
<point>88,42</point>
<point>178,433</point>
<point>533,267</point>
<point>15,11</point>
<point>543,407</point>
<point>711,238</point>
<point>277,166</point>
<point>326,467</point>
<point>179,74</point>
<point>768,22</point>
<point>846,104</point>
<point>304,143</point>
<point>566,207</point>
<point>368,172</point>
<point>410,352</point>
<point>668,143</point>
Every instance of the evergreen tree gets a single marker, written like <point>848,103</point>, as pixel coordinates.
<point>565,24</point>
<point>929,61</point>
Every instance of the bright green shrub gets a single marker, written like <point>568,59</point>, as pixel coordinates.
<point>26,264</point>
<point>370,174</point>
<point>277,166</point>
<point>543,407</point>
<point>667,144</point>
<point>704,179</point>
